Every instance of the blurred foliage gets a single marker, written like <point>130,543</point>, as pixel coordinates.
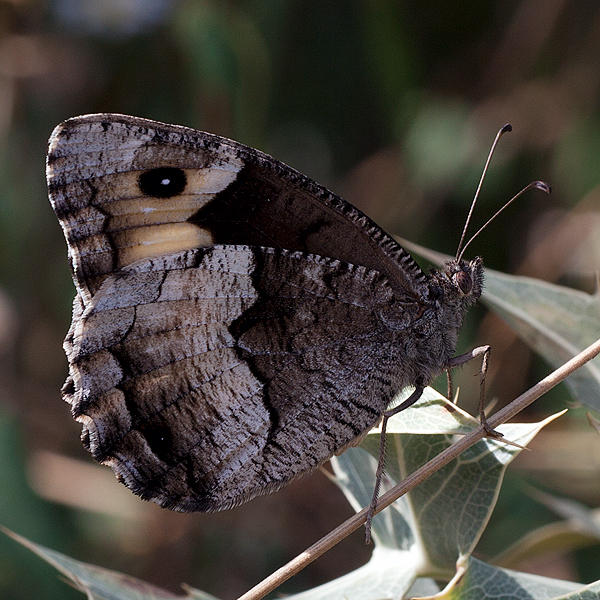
<point>391,104</point>
<point>413,549</point>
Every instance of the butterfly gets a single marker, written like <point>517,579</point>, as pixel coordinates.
<point>235,323</point>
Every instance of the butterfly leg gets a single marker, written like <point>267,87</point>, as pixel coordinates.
<point>450,394</point>
<point>381,464</point>
<point>457,361</point>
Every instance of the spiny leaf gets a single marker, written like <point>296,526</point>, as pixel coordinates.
<point>439,521</point>
<point>98,583</point>
<point>481,581</point>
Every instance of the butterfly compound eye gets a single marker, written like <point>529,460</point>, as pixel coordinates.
<point>164,182</point>
<point>464,282</point>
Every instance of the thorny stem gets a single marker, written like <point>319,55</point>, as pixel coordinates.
<point>353,523</point>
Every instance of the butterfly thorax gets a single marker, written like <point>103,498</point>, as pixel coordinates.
<point>452,290</point>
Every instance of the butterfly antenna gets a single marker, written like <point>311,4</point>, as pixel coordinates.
<point>506,128</point>
<point>540,185</point>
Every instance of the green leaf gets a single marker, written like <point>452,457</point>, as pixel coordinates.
<point>429,533</point>
<point>480,581</point>
<point>432,413</point>
<point>555,321</point>
<point>581,517</point>
<point>98,583</point>
<point>439,522</point>
<point>388,574</point>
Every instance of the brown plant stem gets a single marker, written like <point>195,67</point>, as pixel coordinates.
<point>353,523</point>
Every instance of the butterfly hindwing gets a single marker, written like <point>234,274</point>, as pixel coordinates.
<point>182,369</point>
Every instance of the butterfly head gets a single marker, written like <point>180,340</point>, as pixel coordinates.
<point>468,277</point>
<point>461,281</point>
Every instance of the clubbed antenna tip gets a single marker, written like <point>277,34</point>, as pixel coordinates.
<point>542,185</point>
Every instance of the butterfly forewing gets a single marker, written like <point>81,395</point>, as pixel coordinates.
<point>229,194</point>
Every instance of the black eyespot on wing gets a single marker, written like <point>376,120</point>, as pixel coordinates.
<point>164,182</point>
<point>160,440</point>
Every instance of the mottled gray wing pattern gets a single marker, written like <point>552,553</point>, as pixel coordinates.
<point>228,194</point>
<point>235,323</point>
<point>205,378</point>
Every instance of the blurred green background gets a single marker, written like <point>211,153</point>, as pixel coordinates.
<point>391,104</point>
